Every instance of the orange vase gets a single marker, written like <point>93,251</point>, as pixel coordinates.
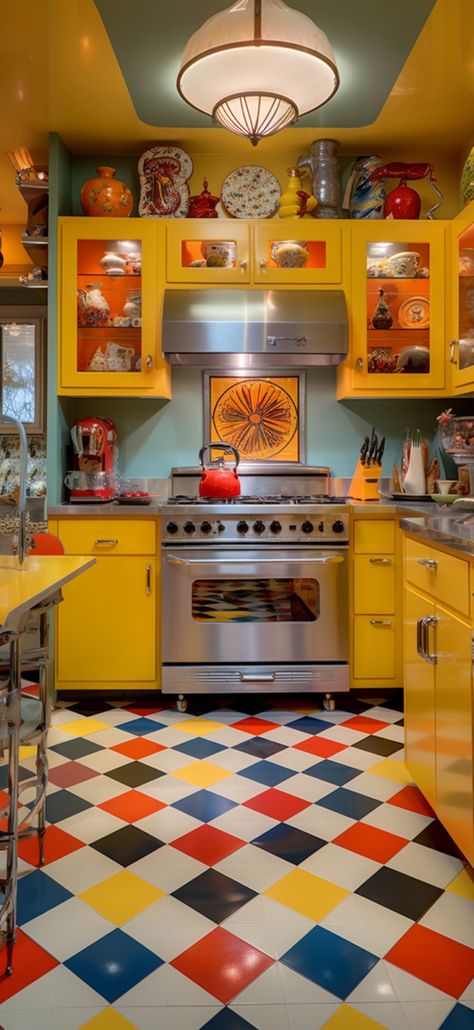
<point>105,196</point>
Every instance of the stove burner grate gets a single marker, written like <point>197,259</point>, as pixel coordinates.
<point>253,499</point>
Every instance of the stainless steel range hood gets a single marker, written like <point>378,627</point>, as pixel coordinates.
<point>245,329</point>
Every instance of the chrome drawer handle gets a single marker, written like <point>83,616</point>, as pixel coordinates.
<point>336,559</point>
<point>428,563</point>
<point>106,543</point>
<point>429,620</point>
<point>263,678</point>
<point>380,561</point>
<point>452,352</point>
<point>420,643</point>
<point>148,579</point>
<point>380,622</point>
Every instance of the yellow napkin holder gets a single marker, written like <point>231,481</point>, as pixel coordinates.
<point>365,482</point>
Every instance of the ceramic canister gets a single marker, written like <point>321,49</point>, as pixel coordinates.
<point>106,196</point>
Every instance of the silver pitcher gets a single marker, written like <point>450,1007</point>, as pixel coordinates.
<point>324,166</point>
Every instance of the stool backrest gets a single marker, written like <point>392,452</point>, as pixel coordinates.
<point>45,543</point>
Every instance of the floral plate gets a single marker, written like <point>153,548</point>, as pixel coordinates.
<point>414,313</point>
<point>164,191</point>
<point>250,192</point>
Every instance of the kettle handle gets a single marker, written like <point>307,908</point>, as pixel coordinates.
<point>220,447</point>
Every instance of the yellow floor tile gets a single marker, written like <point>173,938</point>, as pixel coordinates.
<point>198,727</point>
<point>310,895</point>
<point>26,752</point>
<point>463,883</point>
<point>391,769</point>
<point>121,897</point>
<point>83,727</point>
<point>109,1019</point>
<point>201,774</point>
<point>347,1018</point>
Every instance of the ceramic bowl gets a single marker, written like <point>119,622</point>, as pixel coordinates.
<point>289,253</point>
<point>404,265</point>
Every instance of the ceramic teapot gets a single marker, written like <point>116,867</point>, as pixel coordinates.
<point>92,307</point>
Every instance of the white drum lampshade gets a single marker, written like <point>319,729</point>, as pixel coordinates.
<point>256,67</point>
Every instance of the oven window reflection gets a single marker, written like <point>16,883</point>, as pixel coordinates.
<point>255,600</point>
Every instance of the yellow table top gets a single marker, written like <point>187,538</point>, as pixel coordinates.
<point>38,578</point>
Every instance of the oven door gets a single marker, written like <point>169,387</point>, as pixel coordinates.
<point>254,605</point>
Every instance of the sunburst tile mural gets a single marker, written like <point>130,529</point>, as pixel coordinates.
<point>259,415</point>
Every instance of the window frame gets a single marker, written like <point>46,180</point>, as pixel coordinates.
<point>31,315</point>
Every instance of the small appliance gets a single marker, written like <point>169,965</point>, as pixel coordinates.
<point>217,481</point>
<point>95,459</point>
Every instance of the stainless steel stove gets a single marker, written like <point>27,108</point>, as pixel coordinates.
<point>255,589</point>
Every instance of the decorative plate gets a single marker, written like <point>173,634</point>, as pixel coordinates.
<point>414,313</point>
<point>250,192</point>
<point>444,498</point>
<point>164,192</point>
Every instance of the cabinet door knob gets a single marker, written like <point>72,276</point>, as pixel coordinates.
<point>262,264</point>
<point>149,362</point>
<point>380,561</point>
<point>428,563</point>
<point>360,364</point>
<point>380,622</point>
<point>453,352</point>
<point>243,266</point>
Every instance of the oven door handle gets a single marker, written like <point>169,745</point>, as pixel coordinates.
<point>333,559</point>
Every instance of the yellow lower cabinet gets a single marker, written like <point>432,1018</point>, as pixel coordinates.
<point>454,729</point>
<point>374,648</point>
<point>106,628</point>
<point>419,697</point>
<point>374,584</point>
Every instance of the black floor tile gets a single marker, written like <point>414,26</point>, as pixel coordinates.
<point>399,892</point>
<point>332,772</point>
<point>379,745</point>
<point>77,748</point>
<point>259,747</point>
<point>289,843</point>
<point>62,804</point>
<point>226,1019</point>
<point>214,895</point>
<point>135,774</point>
<point>347,802</point>
<point>127,845</point>
<point>435,836</point>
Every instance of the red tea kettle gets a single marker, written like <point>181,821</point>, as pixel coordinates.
<point>217,480</point>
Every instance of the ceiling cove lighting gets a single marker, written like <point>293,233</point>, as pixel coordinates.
<point>256,67</point>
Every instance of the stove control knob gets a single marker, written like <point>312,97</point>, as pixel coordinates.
<point>338,526</point>
<point>242,527</point>
<point>206,527</point>
<point>259,526</point>
<point>172,528</point>
<point>321,527</point>
<point>307,527</point>
<point>189,527</point>
<point>275,526</point>
<point>220,527</point>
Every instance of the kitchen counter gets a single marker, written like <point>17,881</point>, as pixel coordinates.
<point>454,531</point>
<point>38,578</point>
<point>155,509</point>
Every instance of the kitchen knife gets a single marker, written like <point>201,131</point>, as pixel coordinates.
<point>373,448</point>
<point>379,454</point>
<point>364,449</point>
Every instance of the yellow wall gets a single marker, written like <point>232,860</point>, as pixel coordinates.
<point>15,257</point>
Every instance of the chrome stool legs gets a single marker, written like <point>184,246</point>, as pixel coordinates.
<point>10,717</point>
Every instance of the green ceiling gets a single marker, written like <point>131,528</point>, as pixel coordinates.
<point>371,41</point>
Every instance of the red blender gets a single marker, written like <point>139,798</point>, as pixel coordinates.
<point>95,459</point>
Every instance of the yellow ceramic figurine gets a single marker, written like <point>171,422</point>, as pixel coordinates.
<point>295,202</point>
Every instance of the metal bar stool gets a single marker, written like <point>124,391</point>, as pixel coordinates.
<point>10,719</point>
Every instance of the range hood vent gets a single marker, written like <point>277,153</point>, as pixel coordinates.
<point>245,329</point>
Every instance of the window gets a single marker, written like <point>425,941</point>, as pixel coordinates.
<point>22,367</point>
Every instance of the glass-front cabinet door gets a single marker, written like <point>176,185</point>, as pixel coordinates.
<point>462,335</point>
<point>314,258</point>
<point>398,290</point>
<point>202,250</point>
<point>110,307</point>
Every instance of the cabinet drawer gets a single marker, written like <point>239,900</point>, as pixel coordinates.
<point>374,536</point>
<point>444,576</point>
<point>374,584</point>
<point>374,648</point>
<point>108,536</point>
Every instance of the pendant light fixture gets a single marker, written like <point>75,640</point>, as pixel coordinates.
<point>256,67</point>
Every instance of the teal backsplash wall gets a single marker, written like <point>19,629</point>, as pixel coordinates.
<point>155,436</point>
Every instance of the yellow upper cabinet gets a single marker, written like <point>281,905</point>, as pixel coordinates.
<point>397,300</point>
<point>461,308</point>
<point>111,271</point>
<point>315,258</point>
<point>202,250</point>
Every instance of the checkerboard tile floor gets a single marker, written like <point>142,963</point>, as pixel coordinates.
<point>239,867</point>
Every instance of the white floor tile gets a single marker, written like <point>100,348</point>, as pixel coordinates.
<point>59,716</point>
<point>169,760</point>
<point>72,1019</point>
<point>429,1015</point>
<point>373,786</point>
<point>170,1018</point>
<point>342,734</point>
<point>397,820</point>
<point>377,987</point>
<point>91,825</point>
<point>236,788</point>
<point>321,822</point>
<point>82,869</point>
<point>166,986</point>
<point>168,789</point>
<point>339,866</point>
<point>168,824</point>
<point>452,916</point>
<point>309,1017</point>
<point>99,789</point>
<point>233,760</point>
<point>389,1015</point>
<point>57,989</point>
<point>68,928</point>
<point>167,869</point>
<point>367,924</point>
<point>297,990</point>
<point>263,1017</point>
<point>19,1019</point>
<point>426,864</point>
<point>354,758</point>
<point>228,736</point>
<point>111,737</point>
<point>396,733</point>
<point>267,989</point>
<point>253,868</point>
<point>104,761</point>
<point>411,988</point>
<point>167,736</point>
<point>282,717</point>
<point>244,823</point>
<point>291,758</point>
<point>384,714</point>
<point>467,997</point>
<point>168,941</point>
<point>307,787</point>
<point>286,735</point>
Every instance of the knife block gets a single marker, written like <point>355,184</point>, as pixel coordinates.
<point>364,486</point>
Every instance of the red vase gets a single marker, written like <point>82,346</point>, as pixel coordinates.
<point>105,196</point>
<point>402,202</point>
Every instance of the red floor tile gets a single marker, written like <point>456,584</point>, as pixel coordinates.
<point>320,746</point>
<point>371,842</point>
<point>412,799</point>
<point>30,962</point>
<point>255,726</point>
<point>144,709</point>
<point>138,748</point>
<point>70,773</point>
<point>131,806</point>
<point>363,724</point>
<point>436,959</point>
<point>277,804</point>
<point>57,844</point>
<point>208,844</point>
<point>222,964</point>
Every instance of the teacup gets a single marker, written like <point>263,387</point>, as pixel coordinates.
<point>447,486</point>
<point>404,265</point>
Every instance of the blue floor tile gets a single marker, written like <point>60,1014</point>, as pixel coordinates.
<point>140,727</point>
<point>347,802</point>
<point>114,964</point>
<point>267,772</point>
<point>332,772</point>
<point>38,893</point>
<point>460,1018</point>
<point>204,805</point>
<point>199,748</point>
<point>63,804</point>
<point>259,747</point>
<point>228,1020</point>
<point>309,725</point>
<point>289,843</point>
<point>330,961</point>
